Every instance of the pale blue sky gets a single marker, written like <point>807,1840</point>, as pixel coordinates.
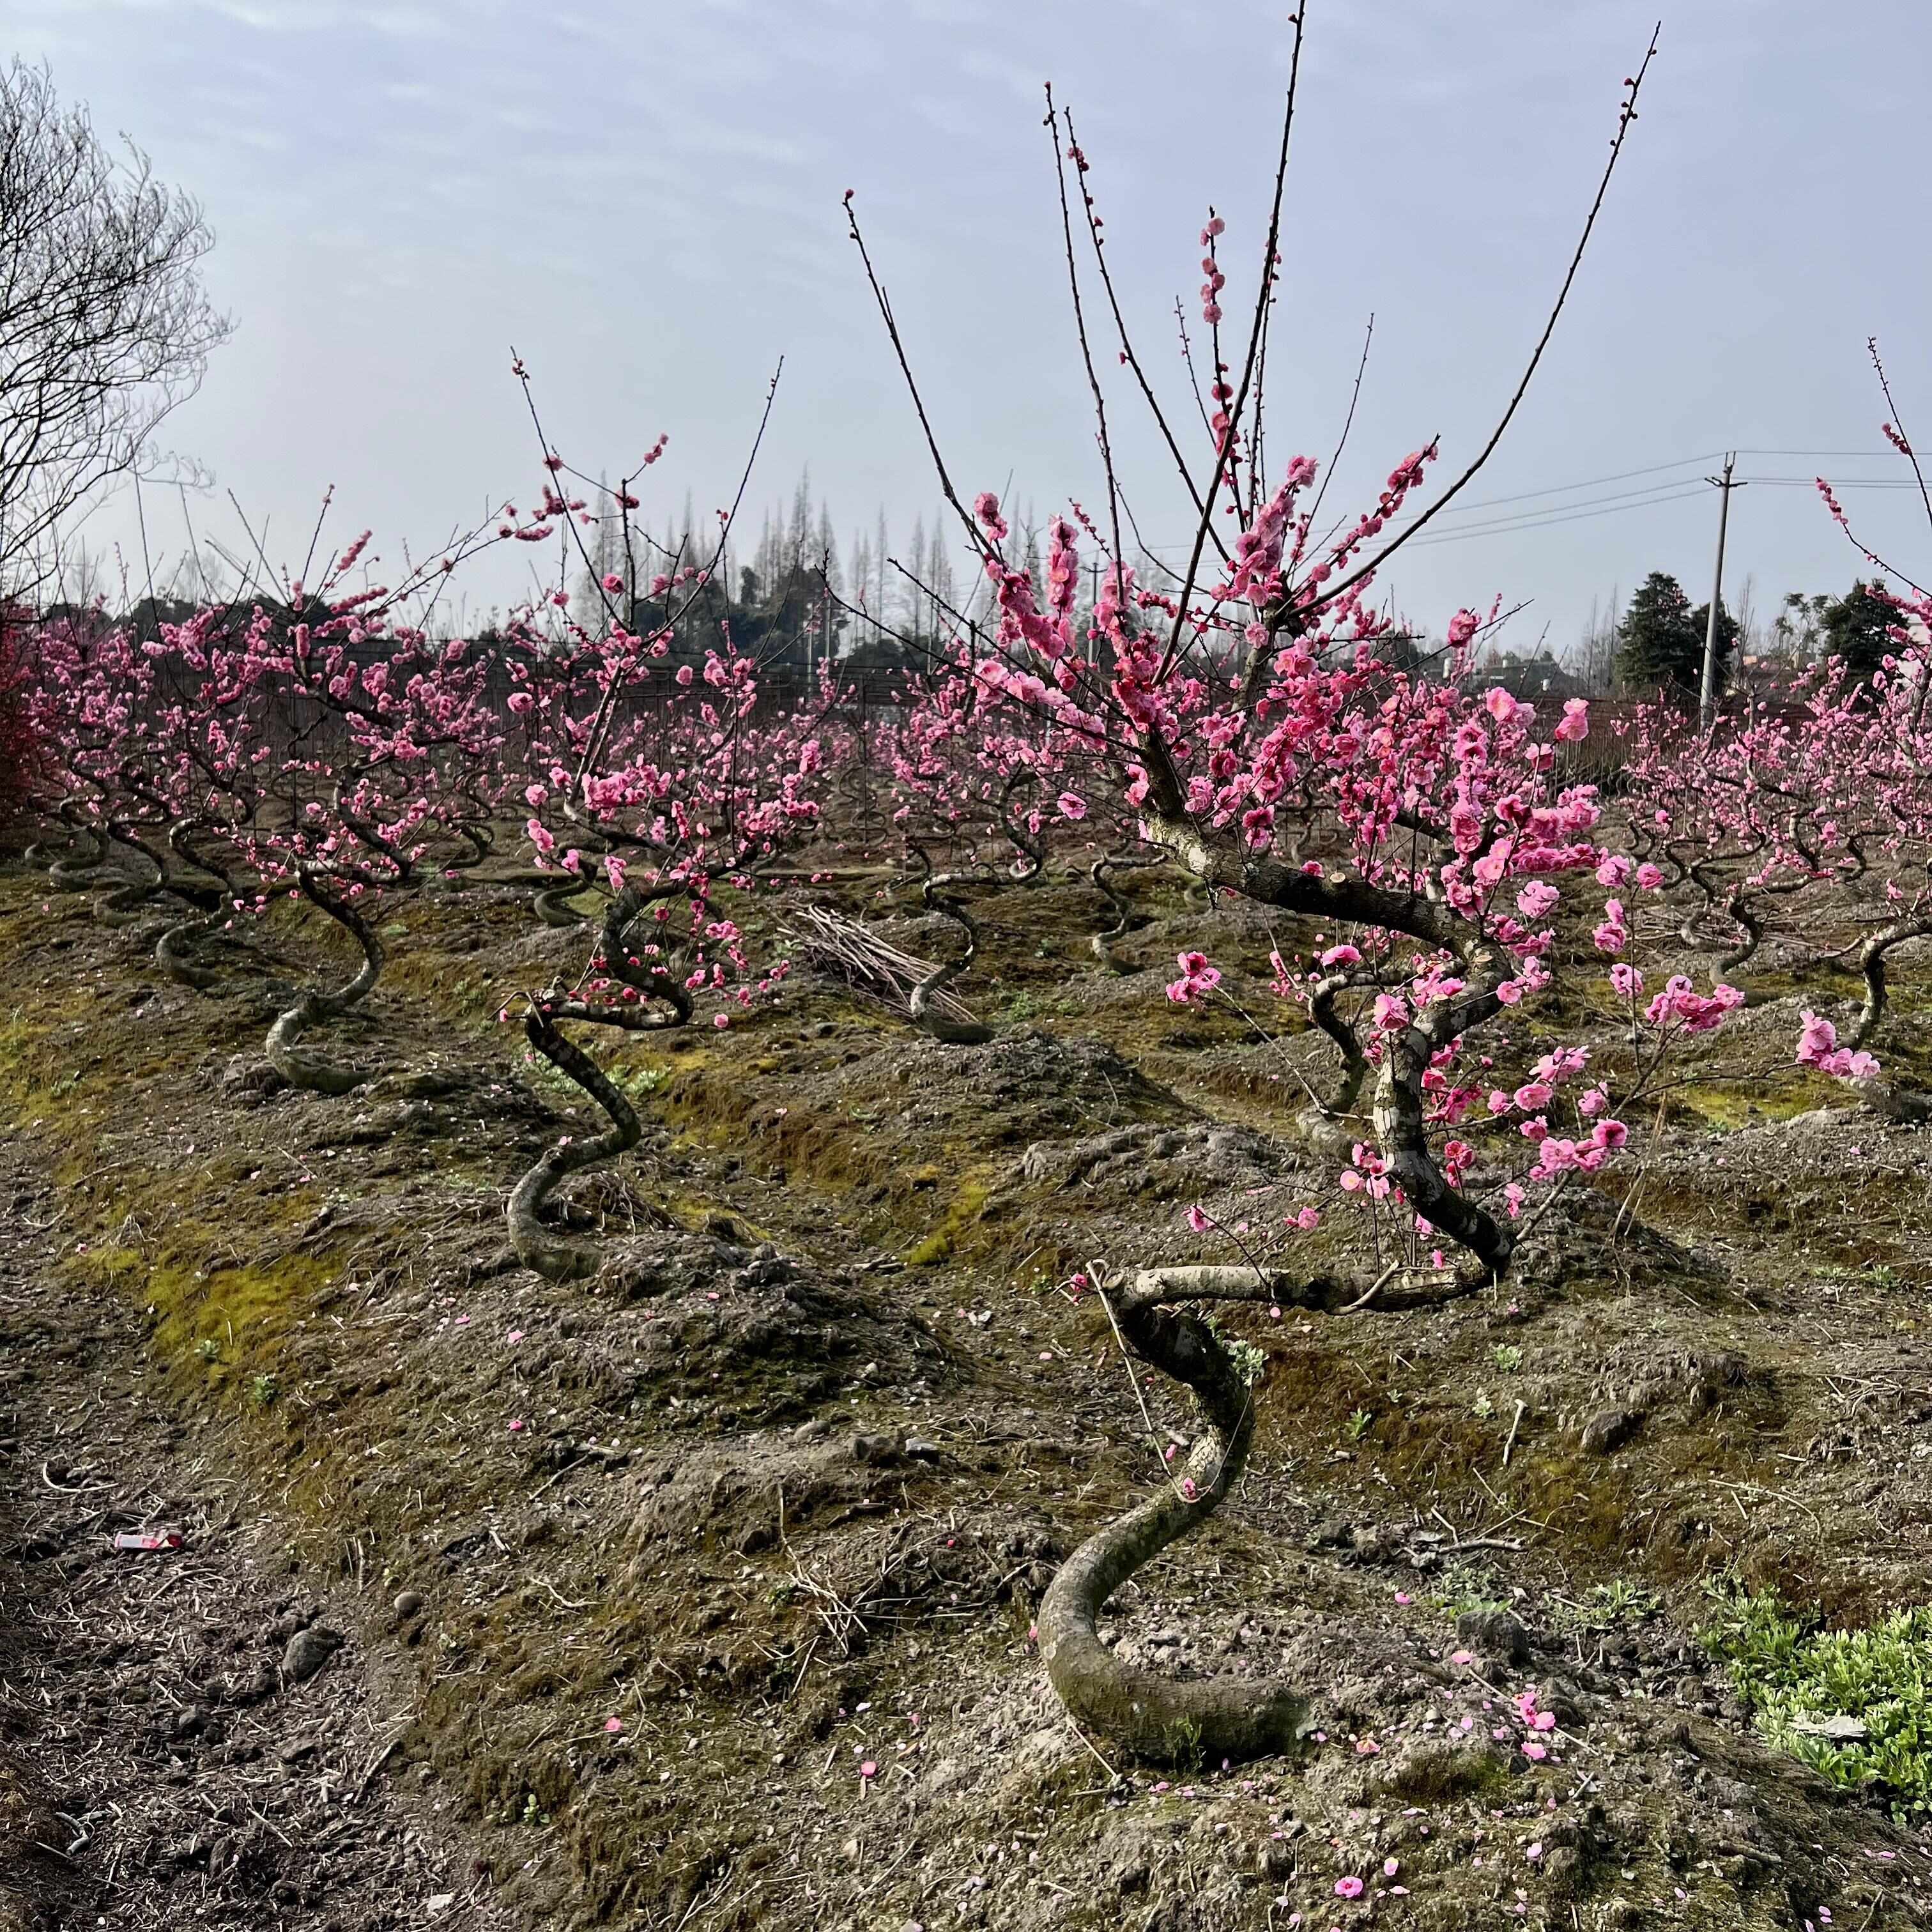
<point>645,198</point>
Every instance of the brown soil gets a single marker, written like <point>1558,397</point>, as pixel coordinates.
<point>770,1499</point>
<point>199,1734</point>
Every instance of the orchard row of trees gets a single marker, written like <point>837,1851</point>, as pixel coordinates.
<point>1253,722</point>
<point>1440,869</point>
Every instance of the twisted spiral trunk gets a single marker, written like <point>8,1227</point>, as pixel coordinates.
<point>174,952</point>
<point>1872,970</point>
<point>74,872</point>
<point>1402,1132</point>
<point>1030,868</point>
<point>1325,1119</point>
<point>300,1066</point>
<point>925,1015</point>
<point>125,904</point>
<point>1101,873</point>
<point>552,1254</point>
<point>1741,911</point>
<point>1164,1719</point>
<point>552,905</point>
<point>1399,1113</point>
<point>662,1001</point>
<point>174,949</point>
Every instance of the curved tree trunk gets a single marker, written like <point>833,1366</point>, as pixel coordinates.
<point>1740,909</point>
<point>1104,941</point>
<point>218,896</point>
<point>481,840</point>
<point>1324,1120</point>
<point>297,1064</point>
<point>1030,868</point>
<point>538,1247</point>
<point>936,1025</point>
<point>73,872</point>
<point>1399,1113</point>
<point>551,904</point>
<point>1166,1720</point>
<point>174,949</point>
<point>1872,969</point>
<point>551,1254</point>
<point>125,905</point>
<point>1401,1129</point>
<point>174,952</point>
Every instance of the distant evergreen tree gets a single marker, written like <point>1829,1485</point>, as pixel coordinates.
<point>1857,627</point>
<point>1660,640</point>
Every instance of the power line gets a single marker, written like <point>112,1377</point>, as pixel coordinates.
<point>1588,483</point>
<point>1546,513</point>
<point>1669,492</point>
<point>1817,452</point>
<point>1840,483</point>
<point>1544,522</point>
<point>1653,469</point>
<point>1591,503</point>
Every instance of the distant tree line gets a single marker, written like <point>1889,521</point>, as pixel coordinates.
<point>1656,643</point>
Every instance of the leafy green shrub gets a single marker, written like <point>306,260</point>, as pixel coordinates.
<point>1856,1706</point>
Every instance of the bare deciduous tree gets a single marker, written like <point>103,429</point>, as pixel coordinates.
<point>105,326</point>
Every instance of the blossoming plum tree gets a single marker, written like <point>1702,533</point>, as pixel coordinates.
<point>650,783</point>
<point>1242,707</point>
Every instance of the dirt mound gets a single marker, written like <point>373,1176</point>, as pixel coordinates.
<point>1161,1163</point>
<point>1032,1083</point>
<point>755,1333</point>
<point>795,1492</point>
<point>1587,1240</point>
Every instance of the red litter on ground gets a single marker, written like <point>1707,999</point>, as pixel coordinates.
<point>148,1539</point>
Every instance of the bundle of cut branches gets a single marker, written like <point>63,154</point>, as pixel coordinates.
<point>868,962</point>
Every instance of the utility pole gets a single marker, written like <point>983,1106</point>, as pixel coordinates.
<point>1707,701</point>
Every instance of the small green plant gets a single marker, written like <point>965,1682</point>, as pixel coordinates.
<point>638,1080</point>
<point>1183,1741</point>
<point>534,1814</point>
<point>208,1348</point>
<point>1877,1275</point>
<point>1021,1006</point>
<point>65,1085</point>
<point>1249,1361</point>
<point>1482,1406</point>
<point>1622,1600</point>
<point>263,1389</point>
<point>1358,1424</point>
<point>1508,1356</point>
<point>1854,1705</point>
<point>1466,1587</point>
